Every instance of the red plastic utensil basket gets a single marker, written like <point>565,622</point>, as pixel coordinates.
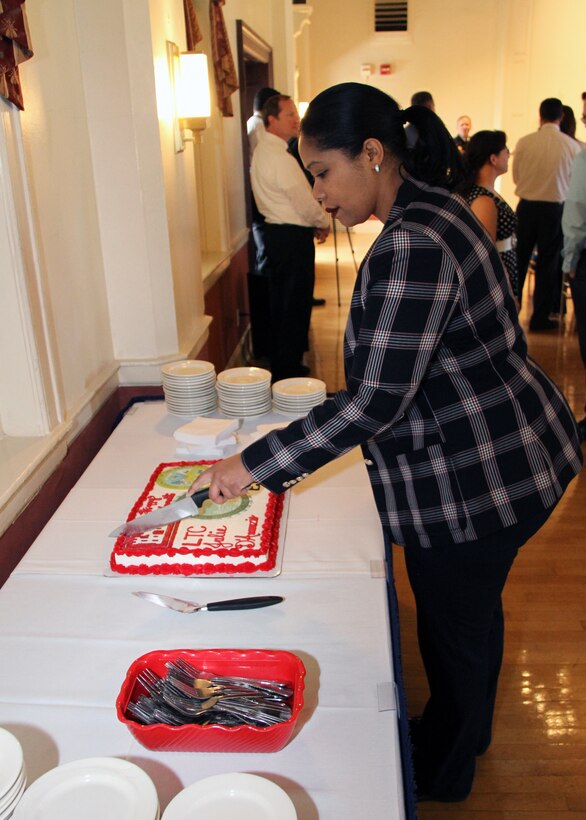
<point>270,664</point>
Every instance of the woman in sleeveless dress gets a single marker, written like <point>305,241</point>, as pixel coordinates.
<point>487,158</point>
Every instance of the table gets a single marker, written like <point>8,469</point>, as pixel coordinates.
<point>68,633</point>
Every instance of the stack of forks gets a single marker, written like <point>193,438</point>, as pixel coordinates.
<point>185,695</point>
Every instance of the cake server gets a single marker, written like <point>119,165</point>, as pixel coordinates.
<point>187,505</point>
<point>188,607</point>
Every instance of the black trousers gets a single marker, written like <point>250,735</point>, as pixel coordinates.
<point>258,292</point>
<point>578,288</point>
<point>539,224</point>
<point>291,265</point>
<point>460,628</point>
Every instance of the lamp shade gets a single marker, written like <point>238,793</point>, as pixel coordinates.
<point>193,87</point>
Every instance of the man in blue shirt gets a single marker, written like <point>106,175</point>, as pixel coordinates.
<point>574,264</point>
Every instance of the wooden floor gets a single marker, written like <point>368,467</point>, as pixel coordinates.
<point>536,766</point>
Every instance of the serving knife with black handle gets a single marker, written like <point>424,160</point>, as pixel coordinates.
<point>184,507</point>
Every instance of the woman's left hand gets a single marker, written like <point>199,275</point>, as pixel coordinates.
<point>227,479</point>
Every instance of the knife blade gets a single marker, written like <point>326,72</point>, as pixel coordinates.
<point>182,508</point>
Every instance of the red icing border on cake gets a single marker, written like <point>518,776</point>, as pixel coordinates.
<point>270,529</point>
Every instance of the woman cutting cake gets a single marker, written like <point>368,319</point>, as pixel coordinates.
<point>468,445</point>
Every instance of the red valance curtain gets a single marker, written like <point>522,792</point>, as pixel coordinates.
<point>14,49</point>
<point>193,34</point>
<point>224,69</point>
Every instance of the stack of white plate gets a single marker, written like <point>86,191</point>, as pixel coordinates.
<point>190,387</point>
<point>99,788</point>
<point>244,391</point>
<point>296,397</point>
<point>12,774</point>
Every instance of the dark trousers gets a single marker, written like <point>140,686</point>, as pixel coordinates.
<point>258,293</point>
<point>539,224</point>
<point>291,256</point>
<point>460,628</point>
<point>578,288</point>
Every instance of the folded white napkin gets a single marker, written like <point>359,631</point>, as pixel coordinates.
<point>205,431</point>
<point>204,452</point>
<point>263,429</point>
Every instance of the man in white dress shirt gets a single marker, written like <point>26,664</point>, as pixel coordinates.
<point>292,219</point>
<point>542,166</point>
<point>255,127</point>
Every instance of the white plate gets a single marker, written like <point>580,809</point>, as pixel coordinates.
<point>11,761</point>
<point>8,807</point>
<point>202,398</point>
<point>293,415</point>
<point>245,393</point>
<point>262,402</point>
<point>231,796</point>
<point>299,402</point>
<point>188,387</point>
<point>239,376</point>
<point>191,405</point>
<point>188,367</point>
<point>98,788</point>
<point>299,386</point>
<point>10,798</point>
<point>206,378</point>
<point>260,399</point>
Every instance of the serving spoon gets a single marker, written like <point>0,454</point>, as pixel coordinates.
<point>187,607</point>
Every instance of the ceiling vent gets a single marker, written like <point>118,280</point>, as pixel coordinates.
<point>390,16</point>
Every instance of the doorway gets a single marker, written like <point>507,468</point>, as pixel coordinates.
<point>255,71</point>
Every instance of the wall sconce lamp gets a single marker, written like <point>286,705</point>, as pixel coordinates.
<point>191,90</point>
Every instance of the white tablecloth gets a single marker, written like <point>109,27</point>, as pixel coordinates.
<point>68,633</point>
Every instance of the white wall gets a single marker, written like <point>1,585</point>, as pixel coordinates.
<point>494,60</point>
<point>57,141</point>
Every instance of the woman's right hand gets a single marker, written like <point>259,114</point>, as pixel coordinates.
<point>227,479</point>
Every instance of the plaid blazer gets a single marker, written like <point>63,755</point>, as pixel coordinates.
<point>462,433</point>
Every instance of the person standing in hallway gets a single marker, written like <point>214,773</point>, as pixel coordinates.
<point>542,164</point>
<point>258,283</point>
<point>487,157</point>
<point>425,99</point>
<point>574,264</point>
<point>292,219</point>
<point>462,138</point>
<point>254,125</point>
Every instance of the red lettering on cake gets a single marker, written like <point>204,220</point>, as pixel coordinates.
<point>251,540</point>
<point>153,502</point>
<point>193,536</point>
